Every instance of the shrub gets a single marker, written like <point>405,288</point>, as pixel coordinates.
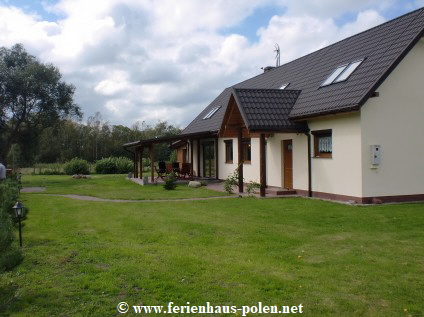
<point>106,166</point>
<point>124,165</point>
<point>251,186</point>
<point>10,254</point>
<point>76,166</point>
<point>114,165</point>
<point>170,182</point>
<point>231,181</point>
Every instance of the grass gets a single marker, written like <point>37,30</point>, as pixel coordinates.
<point>83,258</point>
<point>113,187</point>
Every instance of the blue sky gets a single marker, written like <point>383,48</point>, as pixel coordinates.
<point>150,60</point>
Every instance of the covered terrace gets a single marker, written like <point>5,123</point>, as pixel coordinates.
<point>190,142</point>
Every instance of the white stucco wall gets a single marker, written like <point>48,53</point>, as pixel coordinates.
<point>341,174</point>
<point>226,169</point>
<point>300,160</point>
<point>251,171</point>
<point>395,120</point>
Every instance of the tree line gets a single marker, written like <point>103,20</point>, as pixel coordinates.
<point>91,141</point>
<point>40,123</point>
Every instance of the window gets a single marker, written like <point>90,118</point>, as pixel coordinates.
<point>348,71</point>
<point>342,73</point>
<point>228,151</point>
<point>247,153</point>
<point>334,75</point>
<point>211,113</point>
<point>323,143</point>
<point>284,86</point>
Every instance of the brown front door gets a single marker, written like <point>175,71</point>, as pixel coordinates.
<point>287,149</point>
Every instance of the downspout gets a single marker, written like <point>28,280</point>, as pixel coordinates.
<point>309,164</point>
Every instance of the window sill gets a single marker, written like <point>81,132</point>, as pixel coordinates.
<point>228,162</point>
<point>247,162</point>
<point>322,157</point>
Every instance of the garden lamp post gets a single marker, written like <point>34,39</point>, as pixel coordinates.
<point>19,214</point>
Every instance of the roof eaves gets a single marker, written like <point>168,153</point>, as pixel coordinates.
<point>170,138</point>
<point>258,129</point>
<point>311,115</point>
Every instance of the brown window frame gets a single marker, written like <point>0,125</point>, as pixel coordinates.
<point>321,134</point>
<point>229,151</point>
<point>247,150</point>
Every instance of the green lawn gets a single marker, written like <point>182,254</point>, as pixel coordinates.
<point>83,258</point>
<point>113,187</point>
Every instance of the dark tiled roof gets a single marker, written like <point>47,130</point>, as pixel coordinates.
<point>214,123</point>
<point>382,48</point>
<point>267,109</point>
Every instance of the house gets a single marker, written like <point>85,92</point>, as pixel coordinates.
<point>345,122</point>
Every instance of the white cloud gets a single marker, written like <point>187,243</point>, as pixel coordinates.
<point>17,26</point>
<point>334,8</point>
<point>166,59</point>
<point>116,82</point>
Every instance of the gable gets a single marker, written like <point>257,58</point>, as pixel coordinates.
<point>267,109</point>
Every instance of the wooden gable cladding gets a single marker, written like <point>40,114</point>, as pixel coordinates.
<point>233,121</point>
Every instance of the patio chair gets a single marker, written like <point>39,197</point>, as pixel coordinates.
<point>176,168</point>
<point>185,170</point>
<point>169,169</point>
<point>161,170</point>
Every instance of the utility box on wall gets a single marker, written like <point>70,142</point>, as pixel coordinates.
<point>375,155</point>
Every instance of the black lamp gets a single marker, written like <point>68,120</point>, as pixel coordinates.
<point>19,214</point>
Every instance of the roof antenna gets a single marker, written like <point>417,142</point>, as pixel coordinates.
<point>277,55</point>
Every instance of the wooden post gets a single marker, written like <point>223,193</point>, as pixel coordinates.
<point>262,163</point>
<point>309,166</point>
<point>152,163</point>
<point>135,163</point>
<point>240,159</point>
<point>198,158</point>
<point>140,157</point>
<point>191,157</point>
<point>216,159</point>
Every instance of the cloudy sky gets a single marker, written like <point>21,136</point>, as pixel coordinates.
<point>150,60</point>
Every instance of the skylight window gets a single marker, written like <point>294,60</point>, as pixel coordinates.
<point>348,71</point>
<point>284,86</point>
<point>342,73</point>
<point>334,75</point>
<point>211,113</point>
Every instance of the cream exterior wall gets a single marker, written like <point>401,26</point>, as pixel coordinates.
<point>225,169</point>
<point>341,174</point>
<point>395,120</point>
<point>300,160</point>
<point>251,170</point>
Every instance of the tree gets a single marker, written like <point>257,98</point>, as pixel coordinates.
<point>32,97</point>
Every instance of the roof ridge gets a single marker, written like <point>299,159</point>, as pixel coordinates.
<point>335,43</point>
<point>268,89</point>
